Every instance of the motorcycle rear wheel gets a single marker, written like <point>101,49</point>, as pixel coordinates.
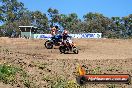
<point>48,45</point>
<point>62,49</point>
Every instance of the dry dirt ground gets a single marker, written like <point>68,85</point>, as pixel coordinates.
<point>99,55</point>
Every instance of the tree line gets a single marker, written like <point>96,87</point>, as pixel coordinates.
<point>13,14</point>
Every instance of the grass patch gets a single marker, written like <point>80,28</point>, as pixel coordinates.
<point>7,73</point>
<point>6,50</point>
<point>39,65</point>
<point>60,82</point>
<point>42,66</point>
<point>25,79</point>
<point>113,69</point>
<point>27,83</point>
<point>13,75</point>
<point>111,86</point>
<point>96,70</point>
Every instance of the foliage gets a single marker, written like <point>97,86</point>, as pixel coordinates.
<point>7,73</point>
<point>111,86</point>
<point>10,9</point>
<point>13,14</point>
<point>60,82</point>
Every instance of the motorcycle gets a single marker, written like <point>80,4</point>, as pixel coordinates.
<point>53,41</point>
<point>69,46</point>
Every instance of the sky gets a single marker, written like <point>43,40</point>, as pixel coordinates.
<point>108,8</point>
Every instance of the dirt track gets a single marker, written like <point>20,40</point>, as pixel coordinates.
<point>103,53</point>
<point>89,49</point>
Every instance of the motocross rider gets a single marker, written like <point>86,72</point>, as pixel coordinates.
<point>65,37</point>
<point>54,30</point>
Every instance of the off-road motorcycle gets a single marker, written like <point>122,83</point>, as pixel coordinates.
<point>53,41</point>
<point>68,46</point>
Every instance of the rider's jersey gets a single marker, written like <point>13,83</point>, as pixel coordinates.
<point>53,31</point>
<point>65,37</point>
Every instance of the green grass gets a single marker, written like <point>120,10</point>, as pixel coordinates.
<point>95,70</point>
<point>42,66</point>
<point>39,65</point>
<point>111,86</point>
<point>60,82</point>
<point>63,83</point>
<point>113,68</point>
<point>7,73</point>
<point>5,50</point>
<point>27,83</point>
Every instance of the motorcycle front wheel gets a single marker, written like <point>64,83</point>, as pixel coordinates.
<point>75,50</point>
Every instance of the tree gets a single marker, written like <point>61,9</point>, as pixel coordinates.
<point>127,25</point>
<point>10,9</point>
<point>40,20</point>
<point>54,16</point>
<point>96,22</point>
<point>69,22</point>
<point>13,14</point>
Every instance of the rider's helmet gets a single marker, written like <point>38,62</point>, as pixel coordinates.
<point>54,30</point>
<point>65,32</point>
<point>56,27</point>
